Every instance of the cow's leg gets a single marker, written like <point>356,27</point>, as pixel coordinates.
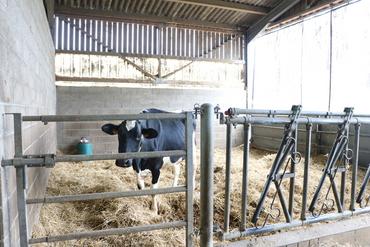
<point>155,182</point>
<point>176,173</point>
<point>140,181</point>
<point>175,168</point>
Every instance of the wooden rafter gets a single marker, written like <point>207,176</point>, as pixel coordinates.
<point>233,6</point>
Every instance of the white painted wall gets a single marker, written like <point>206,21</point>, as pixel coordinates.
<point>292,65</point>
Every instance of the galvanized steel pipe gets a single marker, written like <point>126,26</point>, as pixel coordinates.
<point>105,195</point>
<point>244,196</point>
<point>356,150</point>
<point>301,120</point>
<point>227,178</point>
<point>36,162</point>
<point>107,232</point>
<point>239,111</point>
<point>206,176</point>
<point>82,118</point>
<point>307,162</point>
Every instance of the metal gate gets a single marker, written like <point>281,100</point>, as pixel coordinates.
<point>23,162</point>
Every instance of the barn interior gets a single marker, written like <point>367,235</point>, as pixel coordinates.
<point>90,57</point>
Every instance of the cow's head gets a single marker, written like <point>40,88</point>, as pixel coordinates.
<point>130,138</point>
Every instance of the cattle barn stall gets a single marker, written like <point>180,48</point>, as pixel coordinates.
<point>113,58</point>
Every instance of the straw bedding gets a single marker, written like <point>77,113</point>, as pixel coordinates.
<point>104,176</point>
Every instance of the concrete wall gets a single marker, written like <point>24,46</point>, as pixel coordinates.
<point>117,100</point>
<point>26,86</point>
<point>294,65</point>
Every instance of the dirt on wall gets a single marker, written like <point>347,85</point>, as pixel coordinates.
<point>104,176</point>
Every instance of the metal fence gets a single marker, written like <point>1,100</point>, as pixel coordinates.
<point>23,162</point>
<point>279,171</point>
<point>283,167</point>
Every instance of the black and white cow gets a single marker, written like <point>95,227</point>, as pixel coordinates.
<point>147,136</point>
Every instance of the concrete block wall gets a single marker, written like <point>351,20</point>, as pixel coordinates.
<point>116,100</point>
<point>27,86</point>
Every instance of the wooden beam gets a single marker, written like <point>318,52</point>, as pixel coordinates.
<point>141,18</point>
<point>137,67</point>
<point>275,13</point>
<point>307,12</point>
<point>233,6</point>
<point>132,55</point>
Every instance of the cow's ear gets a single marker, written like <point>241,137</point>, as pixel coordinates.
<point>110,129</point>
<point>149,133</point>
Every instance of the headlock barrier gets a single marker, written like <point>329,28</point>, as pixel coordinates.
<point>283,167</point>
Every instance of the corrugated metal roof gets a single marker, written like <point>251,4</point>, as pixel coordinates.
<point>193,11</point>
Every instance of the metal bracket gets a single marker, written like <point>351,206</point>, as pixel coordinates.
<point>296,111</point>
<point>17,162</point>
<point>216,110</point>
<point>49,160</point>
<point>197,110</point>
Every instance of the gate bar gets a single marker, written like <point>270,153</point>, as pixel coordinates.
<point>244,196</point>
<point>105,195</point>
<point>21,175</point>
<point>35,162</point>
<point>292,171</point>
<point>301,120</point>
<point>206,176</point>
<point>227,178</point>
<point>295,223</point>
<point>81,118</point>
<point>343,172</point>
<point>356,149</point>
<point>107,232</point>
<point>239,111</point>
<point>189,178</point>
<point>307,162</point>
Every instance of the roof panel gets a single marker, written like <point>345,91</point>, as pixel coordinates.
<point>235,14</point>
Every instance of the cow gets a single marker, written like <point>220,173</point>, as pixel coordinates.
<point>148,136</point>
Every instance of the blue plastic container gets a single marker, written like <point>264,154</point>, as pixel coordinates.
<point>84,147</point>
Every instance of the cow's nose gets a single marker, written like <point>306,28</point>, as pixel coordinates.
<point>123,163</point>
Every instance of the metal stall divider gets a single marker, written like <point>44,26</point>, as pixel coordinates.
<point>21,162</point>
<point>271,117</point>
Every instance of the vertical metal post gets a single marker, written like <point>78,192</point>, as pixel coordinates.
<point>343,173</point>
<point>206,176</point>
<point>227,178</point>
<point>292,170</point>
<point>356,149</point>
<point>21,182</point>
<point>189,179</point>
<point>244,196</point>
<point>245,74</point>
<point>307,162</point>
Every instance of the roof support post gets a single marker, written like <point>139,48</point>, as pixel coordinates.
<point>245,72</point>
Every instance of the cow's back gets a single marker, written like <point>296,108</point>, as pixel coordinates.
<point>171,132</point>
